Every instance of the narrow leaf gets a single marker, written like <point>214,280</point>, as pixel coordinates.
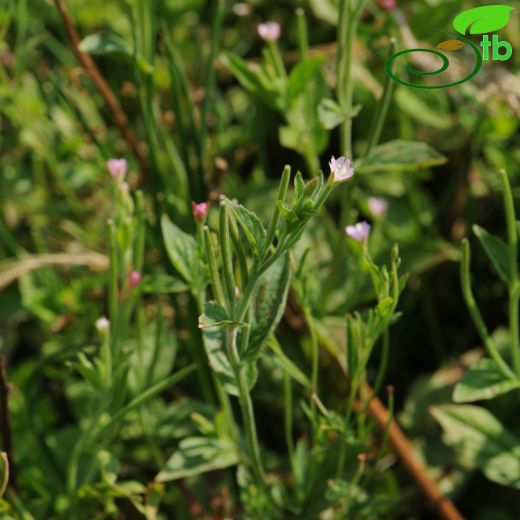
<point>181,249</point>
<point>301,75</point>
<point>485,380</point>
<point>330,114</point>
<point>270,298</point>
<point>400,156</point>
<point>251,226</point>
<point>163,284</point>
<point>197,455</point>
<point>216,316</point>
<point>481,442</point>
<point>103,44</point>
<point>496,250</point>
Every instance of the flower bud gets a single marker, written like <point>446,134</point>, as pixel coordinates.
<point>200,211</point>
<point>134,278</point>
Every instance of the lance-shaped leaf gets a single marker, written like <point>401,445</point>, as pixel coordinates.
<point>301,75</point>
<point>400,156</point>
<point>481,20</point>
<point>181,249</point>
<point>197,455</point>
<point>485,380</point>
<point>269,303</point>
<point>481,442</point>
<point>214,344</point>
<point>250,225</point>
<point>496,250</point>
<point>216,316</point>
<point>103,44</point>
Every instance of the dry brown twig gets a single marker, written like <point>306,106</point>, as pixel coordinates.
<point>11,270</point>
<point>111,101</point>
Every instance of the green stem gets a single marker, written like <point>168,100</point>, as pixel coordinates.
<point>350,11</point>
<point>303,33</point>
<point>314,350</point>
<point>218,292</point>
<point>246,406</point>
<point>514,286</point>
<point>113,292</point>
<point>475,313</point>
<point>382,108</point>
<point>273,224</point>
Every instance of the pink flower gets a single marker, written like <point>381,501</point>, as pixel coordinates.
<point>134,278</point>
<point>117,168</point>
<point>377,206</point>
<point>269,31</point>
<point>200,211</point>
<point>358,231</point>
<point>341,169</point>
<point>387,5</point>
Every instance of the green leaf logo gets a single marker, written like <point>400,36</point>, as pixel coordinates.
<point>481,20</point>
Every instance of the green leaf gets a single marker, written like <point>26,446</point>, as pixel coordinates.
<point>163,284</point>
<point>214,343</point>
<point>400,156</point>
<point>481,20</point>
<point>330,114</point>
<point>251,226</point>
<point>301,75</point>
<point>426,111</point>
<point>4,472</point>
<point>481,442</point>
<point>197,455</point>
<point>496,250</point>
<point>280,359</point>
<point>100,44</point>
<point>384,307</point>
<point>270,298</point>
<point>299,184</point>
<point>249,77</point>
<point>485,380</point>
<point>216,316</point>
<point>181,249</point>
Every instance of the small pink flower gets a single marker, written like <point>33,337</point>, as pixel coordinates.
<point>387,5</point>
<point>341,169</point>
<point>134,278</point>
<point>269,31</point>
<point>117,168</point>
<point>200,210</point>
<point>358,231</point>
<point>377,206</point>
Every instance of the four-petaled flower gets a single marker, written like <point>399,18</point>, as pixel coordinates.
<point>377,206</point>
<point>341,169</point>
<point>269,31</point>
<point>117,168</point>
<point>358,231</point>
<point>200,210</point>
<point>134,278</point>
